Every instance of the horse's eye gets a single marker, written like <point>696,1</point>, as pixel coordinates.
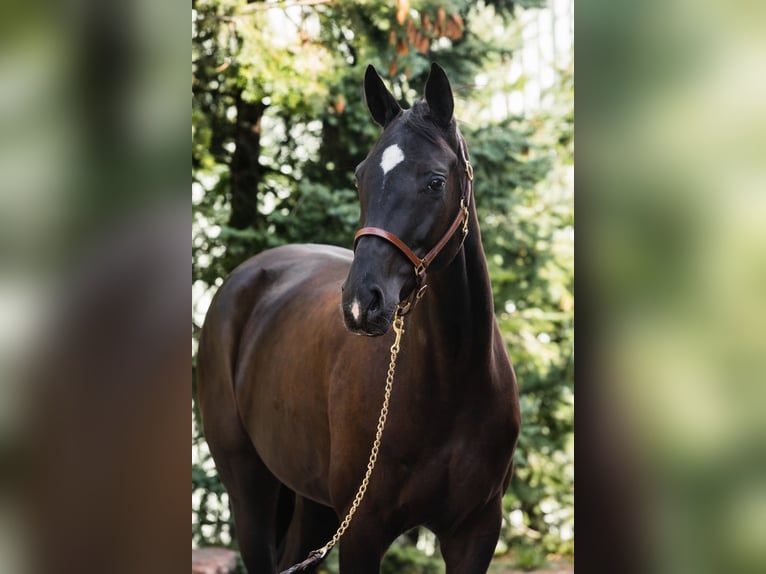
<point>436,184</point>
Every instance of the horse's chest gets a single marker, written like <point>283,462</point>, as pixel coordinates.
<point>451,468</point>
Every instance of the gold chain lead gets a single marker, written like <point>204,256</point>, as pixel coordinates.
<point>398,326</point>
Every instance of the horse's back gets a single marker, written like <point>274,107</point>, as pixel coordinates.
<point>276,270</point>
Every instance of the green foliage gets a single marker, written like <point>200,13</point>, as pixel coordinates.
<point>211,522</point>
<point>406,559</point>
<point>529,558</point>
<point>532,267</point>
<point>278,126</point>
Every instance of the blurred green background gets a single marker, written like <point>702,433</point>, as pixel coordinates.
<point>278,125</point>
<point>672,162</point>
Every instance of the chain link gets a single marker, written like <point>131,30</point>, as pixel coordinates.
<point>398,327</point>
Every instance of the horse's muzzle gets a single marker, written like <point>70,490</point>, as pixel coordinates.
<point>376,281</point>
<point>366,311</point>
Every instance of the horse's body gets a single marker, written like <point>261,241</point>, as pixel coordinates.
<point>290,402</point>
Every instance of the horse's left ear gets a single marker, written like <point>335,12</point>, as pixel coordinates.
<point>439,96</point>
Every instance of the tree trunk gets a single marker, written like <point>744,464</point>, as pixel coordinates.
<point>246,171</point>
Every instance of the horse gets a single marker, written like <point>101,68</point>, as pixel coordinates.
<point>295,347</point>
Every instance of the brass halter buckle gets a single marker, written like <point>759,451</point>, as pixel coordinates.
<point>464,209</point>
<point>420,269</point>
<point>469,170</point>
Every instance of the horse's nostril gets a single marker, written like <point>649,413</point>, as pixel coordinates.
<point>377,300</point>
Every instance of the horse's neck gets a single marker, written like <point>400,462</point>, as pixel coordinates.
<point>458,303</point>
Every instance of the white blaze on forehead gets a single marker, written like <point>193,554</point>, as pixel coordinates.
<point>392,156</point>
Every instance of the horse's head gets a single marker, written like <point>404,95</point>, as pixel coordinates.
<point>412,190</point>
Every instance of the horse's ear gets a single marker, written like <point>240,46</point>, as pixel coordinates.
<point>438,94</point>
<point>380,102</point>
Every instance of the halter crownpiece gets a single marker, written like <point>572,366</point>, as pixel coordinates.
<point>421,264</point>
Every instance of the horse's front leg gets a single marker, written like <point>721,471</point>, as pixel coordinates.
<point>468,547</point>
<point>364,544</point>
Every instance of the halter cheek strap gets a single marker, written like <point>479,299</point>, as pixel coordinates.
<point>419,264</point>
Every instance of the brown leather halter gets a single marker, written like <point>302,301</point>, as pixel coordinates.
<point>421,264</point>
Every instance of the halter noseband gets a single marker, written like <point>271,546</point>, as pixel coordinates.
<point>421,264</point>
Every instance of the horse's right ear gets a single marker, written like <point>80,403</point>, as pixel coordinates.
<point>380,102</point>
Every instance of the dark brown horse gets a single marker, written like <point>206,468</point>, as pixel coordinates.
<point>290,396</point>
